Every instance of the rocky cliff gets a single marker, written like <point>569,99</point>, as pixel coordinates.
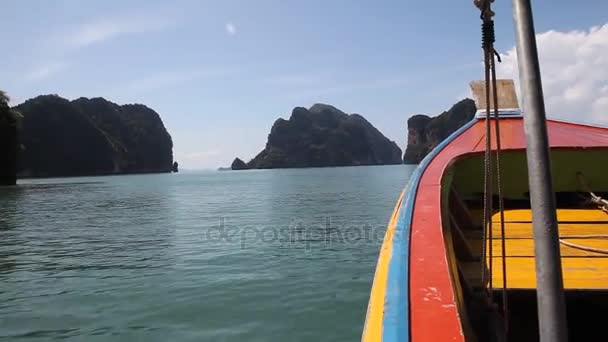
<point>8,142</point>
<point>238,164</point>
<point>424,132</point>
<point>136,132</point>
<point>323,136</point>
<point>90,137</point>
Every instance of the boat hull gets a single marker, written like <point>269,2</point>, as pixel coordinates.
<point>416,287</point>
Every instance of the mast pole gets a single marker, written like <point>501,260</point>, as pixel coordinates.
<point>550,289</point>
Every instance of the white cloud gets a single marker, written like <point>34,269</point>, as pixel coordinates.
<point>108,28</point>
<point>574,68</point>
<point>45,71</point>
<point>174,78</point>
<point>230,28</point>
<point>315,84</point>
<point>348,87</point>
<point>60,44</point>
<point>298,80</point>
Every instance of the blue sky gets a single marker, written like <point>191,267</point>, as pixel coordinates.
<point>221,72</point>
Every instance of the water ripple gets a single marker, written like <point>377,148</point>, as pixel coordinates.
<point>255,256</point>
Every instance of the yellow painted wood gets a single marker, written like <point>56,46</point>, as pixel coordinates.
<point>579,273</point>
<point>581,269</point>
<point>524,230</point>
<point>563,215</point>
<point>525,248</point>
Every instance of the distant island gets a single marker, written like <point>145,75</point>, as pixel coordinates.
<point>83,137</point>
<point>58,137</point>
<point>424,132</point>
<point>323,136</point>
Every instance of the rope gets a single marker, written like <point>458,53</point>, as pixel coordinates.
<point>583,247</point>
<point>487,40</point>
<point>602,204</point>
<point>486,273</point>
<point>586,236</point>
<point>501,207</point>
<point>490,57</point>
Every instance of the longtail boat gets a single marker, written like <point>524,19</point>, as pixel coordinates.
<point>428,282</point>
<point>501,233</point>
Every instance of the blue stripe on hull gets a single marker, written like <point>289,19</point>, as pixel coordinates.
<point>395,326</point>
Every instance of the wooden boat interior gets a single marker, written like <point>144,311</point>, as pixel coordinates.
<point>583,229</point>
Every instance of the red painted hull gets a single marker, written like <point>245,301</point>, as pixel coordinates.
<point>432,299</point>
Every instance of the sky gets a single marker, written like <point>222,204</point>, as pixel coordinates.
<point>220,72</point>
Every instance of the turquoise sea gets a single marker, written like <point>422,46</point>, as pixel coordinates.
<point>259,255</point>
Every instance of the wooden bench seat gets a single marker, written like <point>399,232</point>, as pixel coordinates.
<point>582,269</point>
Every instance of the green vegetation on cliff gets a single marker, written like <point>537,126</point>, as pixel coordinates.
<point>91,137</point>
<point>8,141</point>
<point>323,136</point>
<point>136,132</point>
<point>424,132</point>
